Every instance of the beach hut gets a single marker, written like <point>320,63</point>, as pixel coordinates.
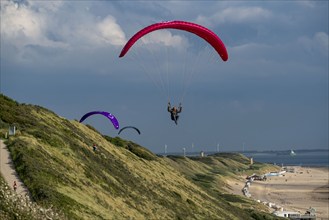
<point>287,214</point>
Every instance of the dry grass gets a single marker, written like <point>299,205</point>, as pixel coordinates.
<point>54,158</point>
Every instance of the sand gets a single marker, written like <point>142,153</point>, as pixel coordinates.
<point>298,191</point>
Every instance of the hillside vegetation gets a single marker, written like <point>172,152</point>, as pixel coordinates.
<point>121,180</point>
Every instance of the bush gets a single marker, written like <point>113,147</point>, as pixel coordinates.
<point>132,147</point>
<point>15,206</point>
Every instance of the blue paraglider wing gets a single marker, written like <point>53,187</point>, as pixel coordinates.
<point>129,127</point>
<point>106,114</point>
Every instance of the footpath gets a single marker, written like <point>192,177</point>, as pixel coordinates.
<point>8,171</point>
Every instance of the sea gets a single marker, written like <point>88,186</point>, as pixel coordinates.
<point>304,158</point>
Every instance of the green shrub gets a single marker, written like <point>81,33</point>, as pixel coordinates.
<point>16,206</point>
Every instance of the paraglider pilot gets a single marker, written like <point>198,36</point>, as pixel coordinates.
<point>174,112</point>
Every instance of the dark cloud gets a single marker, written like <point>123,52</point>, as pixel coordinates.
<point>272,93</point>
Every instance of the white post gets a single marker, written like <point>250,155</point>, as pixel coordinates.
<point>184,151</point>
<point>165,149</point>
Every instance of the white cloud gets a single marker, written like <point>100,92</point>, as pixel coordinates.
<point>111,32</point>
<point>203,20</point>
<point>321,41</point>
<point>46,6</point>
<point>22,26</point>
<point>241,15</point>
<point>94,33</point>
<point>317,44</point>
<point>54,24</point>
<point>25,25</point>
<point>305,3</point>
<point>166,38</point>
<point>254,51</point>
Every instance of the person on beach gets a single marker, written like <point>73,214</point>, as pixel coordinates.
<point>15,186</point>
<point>174,112</point>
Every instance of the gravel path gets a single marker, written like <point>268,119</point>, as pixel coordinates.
<point>8,171</point>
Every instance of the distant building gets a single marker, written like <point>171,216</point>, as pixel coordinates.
<point>309,214</point>
<point>201,154</point>
<point>287,214</point>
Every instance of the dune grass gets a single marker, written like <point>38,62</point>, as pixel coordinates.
<point>121,180</point>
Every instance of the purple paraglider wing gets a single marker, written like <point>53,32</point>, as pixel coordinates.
<point>197,29</point>
<point>106,114</point>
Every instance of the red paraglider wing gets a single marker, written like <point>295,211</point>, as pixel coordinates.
<point>199,30</point>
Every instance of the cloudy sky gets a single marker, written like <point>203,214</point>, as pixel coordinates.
<point>271,94</point>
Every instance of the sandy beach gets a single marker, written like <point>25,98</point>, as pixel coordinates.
<point>298,191</point>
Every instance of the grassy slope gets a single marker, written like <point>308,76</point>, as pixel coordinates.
<point>54,158</point>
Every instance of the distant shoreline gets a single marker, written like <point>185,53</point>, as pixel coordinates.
<point>303,158</point>
<point>242,152</point>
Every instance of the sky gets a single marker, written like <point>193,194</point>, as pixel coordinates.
<point>271,93</point>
